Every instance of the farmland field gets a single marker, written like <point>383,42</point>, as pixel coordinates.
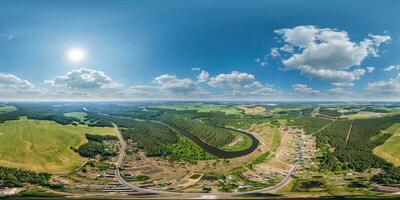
<point>390,150</point>
<point>78,115</point>
<point>201,107</point>
<point>41,145</point>
<point>6,109</point>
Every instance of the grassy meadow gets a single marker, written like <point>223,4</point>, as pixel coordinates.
<point>43,146</point>
<point>78,115</point>
<point>390,150</point>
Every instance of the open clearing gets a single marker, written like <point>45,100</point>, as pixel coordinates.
<point>390,150</point>
<point>201,107</point>
<point>6,109</point>
<point>253,110</point>
<point>78,115</point>
<point>42,145</point>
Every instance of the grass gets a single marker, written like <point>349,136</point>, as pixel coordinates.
<point>201,107</point>
<point>78,115</point>
<point>253,110</point>
<point>6,109</point>
<point>43,146</point>
<point>241,143</point>
<point>275,139</point>
<point>260,159</point>
<point>390,150</point>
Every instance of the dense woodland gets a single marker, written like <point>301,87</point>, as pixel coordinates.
<point>95,146</point>
<point>357,152</point>
<point>10,177</point>
<point>212,135</point>
<point>329,112</point>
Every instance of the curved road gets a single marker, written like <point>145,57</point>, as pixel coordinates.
<point>149,191</point>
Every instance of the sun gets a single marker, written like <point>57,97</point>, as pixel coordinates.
<point>76,55</point>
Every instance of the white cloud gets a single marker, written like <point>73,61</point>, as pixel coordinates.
<point>341,93</point>
<point>233,80</point>
<point>275,52</point>
<point>387,88</point>
<point>287,48</point>
<point>391,67</point>
<point>12,81</point>
<point>370,69</point>
<point>203,76</point>
<point>304,89</point>
<point>196,69</point>
<point>328,54</point>
<point>242,85</point>
<point>300,36</point>
<point>175,85</point>
<point>84,79</point>
<point>343,84</point>
<point>333,76</point>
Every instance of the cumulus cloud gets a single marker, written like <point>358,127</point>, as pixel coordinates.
<point>333,76</point>
<point>275,52</point>
<point>256,90</point>
<point>391,68</point>
<point>387,88</point>
<point>304,89</point>
<point>84,79</point>
<point>242,85</point>
<point>175,85</point>
<point>12,81</point>
<point>233,80</point>
<point>328,54</point>
<point>203,76</point>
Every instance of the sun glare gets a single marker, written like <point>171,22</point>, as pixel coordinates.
<point>76,55</point>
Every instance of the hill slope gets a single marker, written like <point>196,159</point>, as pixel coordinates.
<point>390,150</point>
<point>41,145</point>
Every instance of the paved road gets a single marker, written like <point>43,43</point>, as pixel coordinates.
<point>277,186</point>
<point>149,191</point>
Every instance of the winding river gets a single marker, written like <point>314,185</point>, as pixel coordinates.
<point>216,151</point>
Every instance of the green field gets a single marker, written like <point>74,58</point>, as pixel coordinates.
<point>241,142</point>
<point>78,115</point>
<point>41,145</point>
<point>390,150</point>
<point>275,140</point>
<point>6,109</point>
<point>201,107</point>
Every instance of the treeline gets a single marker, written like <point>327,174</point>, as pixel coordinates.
<point>329,112</point>
<point>10,177</point>
<point>152,137</point>
<point>210,134</point>
<point>95,146</point>
<point>310,124</point>
<point>389,175</point>
<point>100,138</point>
<point>14,115</point>
<point>94,119</point>
<point>53,112</point>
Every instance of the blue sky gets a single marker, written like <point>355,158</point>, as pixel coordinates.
<point>244,50</point>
